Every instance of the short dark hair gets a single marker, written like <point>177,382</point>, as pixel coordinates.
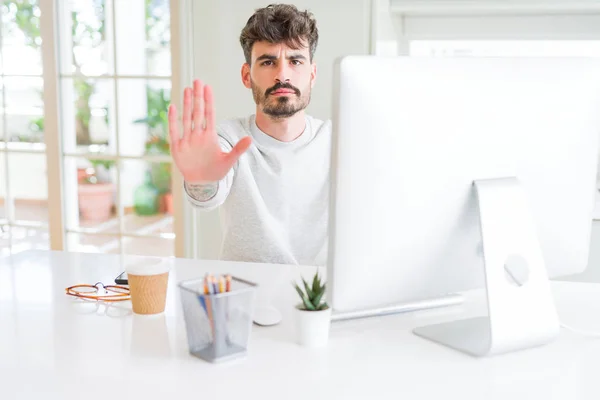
<point>280,23</point>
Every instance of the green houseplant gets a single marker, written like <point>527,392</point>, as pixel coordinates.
<point>157,143</point>
<point>313,313</point>
<point>313,297</point>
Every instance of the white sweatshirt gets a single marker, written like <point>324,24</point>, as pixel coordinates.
<point>274,202</point>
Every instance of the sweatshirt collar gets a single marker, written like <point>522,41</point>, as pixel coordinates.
<point>265,140</point>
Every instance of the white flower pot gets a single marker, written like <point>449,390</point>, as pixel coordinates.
<point>312,327</point>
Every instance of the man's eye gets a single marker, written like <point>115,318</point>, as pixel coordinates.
<point>296,62</point>
<point>267,63</point>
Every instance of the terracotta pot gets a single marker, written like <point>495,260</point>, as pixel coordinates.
<point>165,203</point>
<point>96,201</point>
<point>81,174</point>
<point>168,202</point>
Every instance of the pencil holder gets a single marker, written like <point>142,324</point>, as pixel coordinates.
<point>218,325</point>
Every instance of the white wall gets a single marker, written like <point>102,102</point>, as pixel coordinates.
<point>344,28</point>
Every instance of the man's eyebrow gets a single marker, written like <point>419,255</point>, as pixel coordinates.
<point>296,57</point>
<point>266,57</point>
<point>271,57</point>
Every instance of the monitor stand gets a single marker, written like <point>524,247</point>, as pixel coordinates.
<point>521,312</point>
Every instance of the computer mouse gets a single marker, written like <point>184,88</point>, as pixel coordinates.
<point>266,316</point>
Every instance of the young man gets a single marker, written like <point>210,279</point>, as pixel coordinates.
<point>274,199</point>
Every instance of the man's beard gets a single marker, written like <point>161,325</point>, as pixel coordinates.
<point>282,106</point>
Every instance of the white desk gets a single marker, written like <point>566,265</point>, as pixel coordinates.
<point>50,350</point>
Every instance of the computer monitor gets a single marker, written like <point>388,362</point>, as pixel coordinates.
<point>437,162</point>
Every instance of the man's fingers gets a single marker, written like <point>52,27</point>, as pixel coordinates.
<point>187,113</point>
<point>173,127</point>
<point>239,149</point>
<point>209,109</point>
<point>198,113</point>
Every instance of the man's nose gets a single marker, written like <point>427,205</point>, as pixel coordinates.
<point>283,73</point>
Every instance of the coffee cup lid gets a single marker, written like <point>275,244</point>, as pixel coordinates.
<point>147,266</point>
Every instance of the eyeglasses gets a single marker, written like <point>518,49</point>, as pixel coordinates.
<point>99,292</point>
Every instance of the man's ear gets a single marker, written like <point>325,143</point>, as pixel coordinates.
<point>313,75</point>
<point>246,75</point>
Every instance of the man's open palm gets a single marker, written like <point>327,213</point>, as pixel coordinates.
<point>197,153</point>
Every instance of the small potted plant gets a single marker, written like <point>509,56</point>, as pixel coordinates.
<point>95,192</point>
<point>313,314</point>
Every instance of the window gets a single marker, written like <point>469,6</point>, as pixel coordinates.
<point>115,67</point>
<point>23,183</point>
<point>108,150</point>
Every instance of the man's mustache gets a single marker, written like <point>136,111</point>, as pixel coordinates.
<point>280,85</point>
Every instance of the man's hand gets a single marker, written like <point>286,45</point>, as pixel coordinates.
<point>198,154</point>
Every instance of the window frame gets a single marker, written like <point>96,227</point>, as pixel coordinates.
<point>52,147</point>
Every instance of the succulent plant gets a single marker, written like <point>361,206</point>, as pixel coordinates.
<point>313,298</point>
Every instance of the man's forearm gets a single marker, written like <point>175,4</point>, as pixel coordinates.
<point>209,195</point>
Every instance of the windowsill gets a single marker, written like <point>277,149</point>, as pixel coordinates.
<point>23,146</point>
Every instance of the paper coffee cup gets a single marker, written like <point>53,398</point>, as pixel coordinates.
<point>148,279</point>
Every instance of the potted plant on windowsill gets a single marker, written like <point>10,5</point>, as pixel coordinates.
<point>96,191</point>
<point>313,314</point>
<point>157,144</point>
<point>161,172</point>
